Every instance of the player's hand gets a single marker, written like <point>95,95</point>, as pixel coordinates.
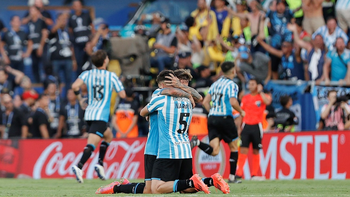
<point>192,102</point>
<point>147,118</point>
<point>83,103</point>
<point>173,81</point>
<point>242,113</point>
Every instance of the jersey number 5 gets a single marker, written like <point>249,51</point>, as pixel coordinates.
<point>98,94</point>
<point>183,122</point>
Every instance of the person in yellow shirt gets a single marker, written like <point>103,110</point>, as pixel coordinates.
<point>203,15</point>
<point>232,25</point>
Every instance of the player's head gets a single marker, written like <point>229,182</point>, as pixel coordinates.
<point>100,59</point>
<point>228,68</point>
<point>184,75</point>
<point>161,78</point>
<point>253,85</point>
<point>286,101</point>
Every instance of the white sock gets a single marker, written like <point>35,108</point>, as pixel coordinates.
<point>231,177</point>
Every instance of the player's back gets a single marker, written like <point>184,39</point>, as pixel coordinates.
<point>151,147</point>
<point>174,117</point>
<point>100,84</point>
<point>221,91</point>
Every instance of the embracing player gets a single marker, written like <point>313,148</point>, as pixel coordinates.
<point>100,84</point>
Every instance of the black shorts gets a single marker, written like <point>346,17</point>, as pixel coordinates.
<point>149,161</point>
<point>222,127</point>
<point>97,127</point>
<point>252,134</point>
<point>172,169</point>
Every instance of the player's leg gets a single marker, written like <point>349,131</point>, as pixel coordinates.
<point>256,142</point>
<point>92,142</point>
<point>149,162</point>
<point>243,154</point>
<point>107,137</point>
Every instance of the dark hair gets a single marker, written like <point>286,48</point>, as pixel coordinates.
<point>330,91</point>
<point>183,74</point>
<point>256,80</point>
<point>161,76</point>
<point>189,21</point>
<point>98,58</point>
<point>226,66</point>
<point>41,96</point>
<point>129,92</point>
<point>331,18</point>
<point>5,71</point>
<point>284,100</point>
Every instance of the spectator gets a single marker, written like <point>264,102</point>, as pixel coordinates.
<point>71,121</point>
<point>44,15</point>
<point>330,33</point>
<point>334,113</point>
<point>8,84</point>
<point>342,9</point>
<point>221,13</point>
<point>155,22</point>
<point>38,33</point>
<point>205,17</point>
<point>182,35</point>
<point>233,27</point>
<point>101,40</point>
<point>278,23</point>
<point>80,27</point>
<point>199,122</point>
<point>2,26</point>
<point>12,120</point>
<point>164,46</point>
<point>62,57</point>
<point>197,52</point>
<point>315,56</point>
<point>292,65</point>
<point>256,19</point>
<point>269,115</point>
<point>313,16</point>
<point>15,40</point>
<point>328,9</point>
<point>54,107</point>
<point>40,121</point>
<point>204,80</point>
<point>184,62</point>
<point>126,115</point>
<point>29,97</point>
<point>337,65</point>
<point>285,118</point>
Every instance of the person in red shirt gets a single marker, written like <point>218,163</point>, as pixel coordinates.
<point>254,105</point>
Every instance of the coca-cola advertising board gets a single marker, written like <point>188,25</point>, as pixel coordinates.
<point>304,155</point>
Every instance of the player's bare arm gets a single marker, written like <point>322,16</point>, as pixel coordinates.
<point>177,93</point>
<point>144,112</point>
<point>234,103</point>
<point>206,102</point>
<point>174,81</point>
<point>76,88</point>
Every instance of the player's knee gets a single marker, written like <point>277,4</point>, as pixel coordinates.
<point>216,151</point>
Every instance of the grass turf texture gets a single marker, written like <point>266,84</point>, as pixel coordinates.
<point>69,187</point>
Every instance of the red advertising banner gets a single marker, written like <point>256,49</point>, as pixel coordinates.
<point>305,155</point>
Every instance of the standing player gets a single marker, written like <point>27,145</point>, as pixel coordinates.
<point>254,104</point>
<point>221,126</point>
<point>100,84</point>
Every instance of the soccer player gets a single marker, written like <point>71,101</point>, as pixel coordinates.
<point>221,126</point>
<point>254,104</point>
<point>100,84</point>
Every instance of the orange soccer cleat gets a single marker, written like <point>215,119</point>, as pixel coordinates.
<point>108,189</point>
<point>199,184</point>
<point>220,183</point>
<point>124,181</point>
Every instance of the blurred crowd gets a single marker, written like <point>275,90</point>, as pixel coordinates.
<point>268,40</point>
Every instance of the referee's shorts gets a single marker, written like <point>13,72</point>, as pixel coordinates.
<point>252,134</point>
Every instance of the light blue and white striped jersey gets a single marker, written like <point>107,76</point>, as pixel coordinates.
<point>151,147</point>
<point>221,91</point>
<point>100,84</point>
<point>342,4</point>
<point>329,40</point>
<point>174,118</point>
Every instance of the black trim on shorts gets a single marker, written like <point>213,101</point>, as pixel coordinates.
<point>222,127</point>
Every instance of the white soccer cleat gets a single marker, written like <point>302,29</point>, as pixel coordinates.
<point>78,174</point>
<point>100,171</point>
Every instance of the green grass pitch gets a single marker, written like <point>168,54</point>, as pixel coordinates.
<point>69,187</point>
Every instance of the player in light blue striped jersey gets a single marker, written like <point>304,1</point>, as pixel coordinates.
<point>100,84</point>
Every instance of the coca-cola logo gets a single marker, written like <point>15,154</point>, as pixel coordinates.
<point>208,165</point>
<point>119,161</point>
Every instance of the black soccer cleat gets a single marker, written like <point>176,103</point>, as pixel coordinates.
<point>235,181</point>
